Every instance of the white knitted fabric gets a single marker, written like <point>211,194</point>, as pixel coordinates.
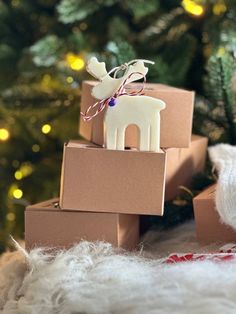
<point>223,157</point>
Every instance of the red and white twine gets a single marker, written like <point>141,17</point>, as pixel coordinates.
<point>102,104</point>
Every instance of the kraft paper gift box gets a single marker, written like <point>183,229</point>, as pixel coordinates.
<point>127,181</point>
<point>97,179</point>
<point>209,227</point>
<point>176,118</point>
<point>46,225</point>
<point>183,164</point>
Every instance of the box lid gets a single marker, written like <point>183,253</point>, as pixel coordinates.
<point>207,194</point>
<point>195,137</point>
<point>148,87</point>
<point>49,205</point>
<point>90,145</point>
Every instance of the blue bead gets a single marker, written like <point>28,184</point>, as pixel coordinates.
<point>112,102</point>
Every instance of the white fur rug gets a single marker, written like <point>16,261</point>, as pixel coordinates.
<point>94,278</point>
<point>223,156</point>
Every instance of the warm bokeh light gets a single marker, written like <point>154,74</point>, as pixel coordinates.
<point>4,134</point>
<point>83,26</point>
<point>46,81</point>
<point>75,62</point>
<point>69,79</point>
<point>18,175</point>
<point>46,128</point>
<point>11,216</point>
<point>17,193</point>
<point>35,148</point>
<point>207,50</point>
<point>192,7</point>
<point>25,170</point>
<point>219,8</point>
<point>221,51</point>
<point>15,3</point>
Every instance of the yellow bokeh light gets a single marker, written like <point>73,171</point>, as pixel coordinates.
<point>11,216</point>
<point>46,79</point>
<point>221,51</point>
<point>69,79</point>
<point>46,128</point>
<point>75,62</point>
<point>15,3</point>
<point>4,134</point>
<point>25,170</point>
<point>83,26</point>
<point>207,50</point>
<point>219,8</point>
<point>18,175</point>
<point>35,148</point>
<point>17,193</point>
<point>192,7</point>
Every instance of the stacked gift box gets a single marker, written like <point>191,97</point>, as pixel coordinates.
<point>103,192</point>
<point>209,226</point>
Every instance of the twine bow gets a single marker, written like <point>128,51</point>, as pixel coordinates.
<point>111,101</point>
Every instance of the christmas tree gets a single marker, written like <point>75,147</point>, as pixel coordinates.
<point>43,50</point>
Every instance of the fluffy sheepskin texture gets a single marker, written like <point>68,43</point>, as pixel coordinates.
<point>223,157</point>
<point>95,278</point>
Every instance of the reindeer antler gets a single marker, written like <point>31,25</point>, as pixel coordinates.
<point>96,69</point>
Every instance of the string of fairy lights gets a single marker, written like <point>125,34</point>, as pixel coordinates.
<point>197,7</point>
<point>76,63</point>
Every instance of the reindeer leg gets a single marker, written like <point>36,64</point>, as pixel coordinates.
<point>110,137</point>
<point>144,144</point>
<point>155,134</point>
<point>120,144</point>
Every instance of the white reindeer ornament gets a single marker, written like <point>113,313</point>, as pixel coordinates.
<point>124,109</point>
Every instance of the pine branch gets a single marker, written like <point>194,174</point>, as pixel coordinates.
<point>227,102</point>
<point>140,8</point>
<point>218,83</point>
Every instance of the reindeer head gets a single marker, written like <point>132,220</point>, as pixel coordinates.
<point>109,85</point>
<point>96,69</point>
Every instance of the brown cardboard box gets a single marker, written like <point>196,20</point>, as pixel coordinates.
<point>209,227</point>
<point>107,172</point>
<point>48,226</point>
<point>183,164</point>
<point>97,179</point>
<point>176,119</point>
